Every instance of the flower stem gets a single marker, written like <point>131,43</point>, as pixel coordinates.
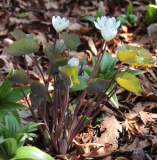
<point>91,77</point>
<point>49,74</point>
<point>31,109</point>
<point>36,63</point>
<point>65,102</point>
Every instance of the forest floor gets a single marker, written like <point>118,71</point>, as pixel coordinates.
<point>135,135</point>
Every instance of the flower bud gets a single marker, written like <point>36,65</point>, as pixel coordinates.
<point>74,62</point>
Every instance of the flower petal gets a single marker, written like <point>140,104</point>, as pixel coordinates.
<point>117,24</point>
<point>97,25</point>
<point>113,20</point>
<point>108,34</point>
<point>53,19</point>
<point>109,23</point>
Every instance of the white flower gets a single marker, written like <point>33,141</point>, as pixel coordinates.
<point>106,22</point>
<point>59,23</point>
<point>74,62</point>
<point>108,34</point>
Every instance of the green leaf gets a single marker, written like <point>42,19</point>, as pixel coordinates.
<point>19,77</point>
<point>16,115</point>
<point>150,16</point>
<point>12,105</point>
<point>29,36</point>
<point>5,88</point>
<point>97,85</point>
<point>16,94</point>
<point>122,18</point>
<point>129,9</point>
<point>105,63</point>
<point>132,18</point>
<point>98,13</point>
<point>136,72</point>
<point>10,146</point>
<point>39,90</point>
<point>87,71</point>
<point>71,41</point>
<point>113,98</point>
<point>23,47</point>
<point>129,82</point>
<point>60,46</point>
<point>34,102</point>
<point>31,153</point>
<point>28,127</point>
<point>48,52</point>
<point>83,81</point>
<point>56,63</point>
<point>137,56</point>
<point>88,18</point>
<point>69,75</point>
<point>12,124</point>
<point>18,34</point>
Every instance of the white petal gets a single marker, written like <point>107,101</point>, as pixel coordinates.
<point>63,20</point>
<point>74,62</point>
<point>66,23</point>
<point>113,20</point>
<point>58,19</point>
<point>57,26</point>
<point>117,24</point>
<point>108,34</point>
<point>97,25</point>
<point>53,19</point>
<point>109,23</point>
<point>103,20</point>
<point>98,20</point>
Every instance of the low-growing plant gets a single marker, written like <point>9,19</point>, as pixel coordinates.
<point>9,96</point>
<point>130,17</point>
<point>150,16</point>
<point>106,71</point>
<point>63,116</point>
<point>12,138</point>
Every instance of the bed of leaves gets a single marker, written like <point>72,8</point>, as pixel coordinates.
<point>131,132</point>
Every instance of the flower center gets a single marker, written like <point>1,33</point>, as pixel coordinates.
<point>59,23</point>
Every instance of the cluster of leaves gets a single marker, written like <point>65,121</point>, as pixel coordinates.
<point>60,116</point>
<point>12,139</point>
<point>130,17</point>
<point>12,133</point>
<point>150,16</point>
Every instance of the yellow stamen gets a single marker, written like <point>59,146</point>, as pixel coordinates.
<point>105,23</point>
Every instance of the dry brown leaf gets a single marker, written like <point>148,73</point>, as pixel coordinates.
<point>93,149</point>
<point>153,144</point>
<point>111,133</point>
<point>138,154</point>
<point>144,117</point>
<point>121,158</point>
<point>78,28</point>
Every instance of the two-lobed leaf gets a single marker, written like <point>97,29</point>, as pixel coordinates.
<point>18,34</point>
<point>129,82</point>
<point>97,85</point>
<point>39,90</point>
<point>71,41</point>
<point>19,77</point>
<point>22,47</point>
<point>137,56</point>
